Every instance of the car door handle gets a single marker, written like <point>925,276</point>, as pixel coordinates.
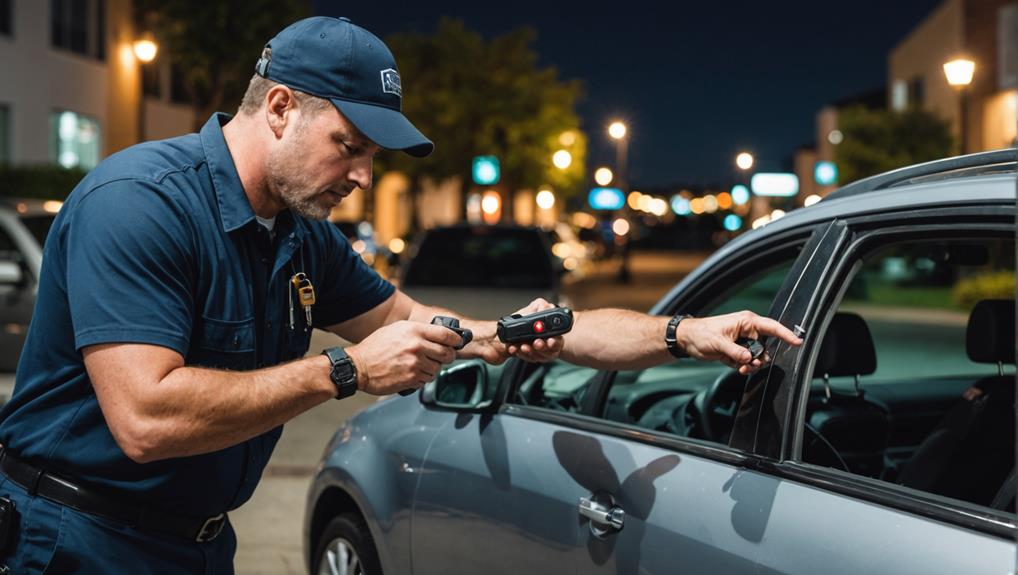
<point>608,518</point>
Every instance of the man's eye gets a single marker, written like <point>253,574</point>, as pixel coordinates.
<point>353,151</point>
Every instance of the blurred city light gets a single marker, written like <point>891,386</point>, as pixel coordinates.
<point>397,245</point>
<point>658,207</point>
<point>562,159</point>
<point>570,263</point>
<point>606,198</point>
<point>740,194</point>
<point>835,137</point>
<point>959,71</point>
<point>617,130</point>
<point>733,223</point>
<point>545,199</point>
<point>486,170</point>
<point>775,184</point>
<point>365,230</point>
<point>620,227</point>
<point>52,206</point>
<point>680,205</point>
<point>567,138</point>
<point>474,214</point>
<point>825,173</point>
<point>491,206</point>
<point>696,206</point>
<point>644,203</point>
<point>710,204</point>
<point>603,176</point>
<point>761,221</point>
<point>777,214</point>
<point>724,200</point>
<point>145,50</point>
<point>744,160</point>
<point>359,246</point>
<point>634,200</point>
<point>584,220</point>
<point>810,200</point>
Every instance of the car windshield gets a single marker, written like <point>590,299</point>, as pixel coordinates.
<point>482,257</point>
<point>39,225</point>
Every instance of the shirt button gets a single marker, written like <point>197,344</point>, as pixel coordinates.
<point>236,341</point>
<point>265,260</point>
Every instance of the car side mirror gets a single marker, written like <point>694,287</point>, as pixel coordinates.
<point>461,387</point>
<point>10,273</point>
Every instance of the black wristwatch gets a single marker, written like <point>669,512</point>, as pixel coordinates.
<point>673,346</point>
<point>344,372</point>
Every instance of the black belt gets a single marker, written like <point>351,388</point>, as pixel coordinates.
<point>40,482</point>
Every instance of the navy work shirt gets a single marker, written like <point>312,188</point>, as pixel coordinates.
<point>159,245</point>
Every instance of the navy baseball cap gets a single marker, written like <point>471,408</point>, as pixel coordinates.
<point>335,59</point>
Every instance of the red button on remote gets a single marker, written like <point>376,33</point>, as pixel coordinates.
<point>538,326</point>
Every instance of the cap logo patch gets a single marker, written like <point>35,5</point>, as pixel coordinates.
<point>390,82</point>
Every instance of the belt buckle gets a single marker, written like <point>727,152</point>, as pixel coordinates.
<point>211,528</point>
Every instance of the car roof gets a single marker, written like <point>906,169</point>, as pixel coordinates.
<point>997,188</point>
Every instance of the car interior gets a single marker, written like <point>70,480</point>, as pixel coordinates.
<point>913,382</point>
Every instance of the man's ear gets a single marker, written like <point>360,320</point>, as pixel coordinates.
<point>279,102</point>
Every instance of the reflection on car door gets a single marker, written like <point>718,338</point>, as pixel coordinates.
<point>492,499</point>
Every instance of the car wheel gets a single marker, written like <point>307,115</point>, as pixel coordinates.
<point>346,548</point>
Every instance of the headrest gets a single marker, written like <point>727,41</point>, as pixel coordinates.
<point>990,336</point>
<point>847,348</point>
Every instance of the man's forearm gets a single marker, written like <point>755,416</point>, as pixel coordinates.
<point>195,410</point>
<point>616,339</point>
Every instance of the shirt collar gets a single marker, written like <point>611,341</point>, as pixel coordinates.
<point>234,207</point>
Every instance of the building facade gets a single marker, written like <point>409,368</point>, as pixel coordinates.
<point>72,93</point>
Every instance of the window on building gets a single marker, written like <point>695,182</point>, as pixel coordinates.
<point>899,95</point>
<point>79,26</point>
<point>916,94</point>
<point>75,140</point>
<point>5,134</point>
<point>6,17</point>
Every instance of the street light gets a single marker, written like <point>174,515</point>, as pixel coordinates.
<point>145,50</point>
<point>617,130</point>
<point>562,159</point>
<point>959,74</point>
<point>603,176</point>
<point>744,161</point>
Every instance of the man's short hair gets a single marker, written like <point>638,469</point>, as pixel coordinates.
<point>259,87</point>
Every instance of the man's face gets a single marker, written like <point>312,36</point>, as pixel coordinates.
<point>319,161</point>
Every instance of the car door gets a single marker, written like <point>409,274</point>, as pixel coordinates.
<point>824,516</point>
<point>533,487</point>
<point>17,298</point>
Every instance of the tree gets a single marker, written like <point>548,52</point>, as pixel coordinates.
<point>877,141</point>
<point>215,46</point>
<point>478,97</point>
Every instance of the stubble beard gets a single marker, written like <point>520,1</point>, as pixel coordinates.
<point>294,186</point>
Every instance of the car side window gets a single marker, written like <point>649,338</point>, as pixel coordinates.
<point>656,398</point>
<point>912,383</point>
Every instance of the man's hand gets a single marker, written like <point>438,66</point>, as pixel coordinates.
<point>402,355</point>
<point>713,338</point>
<point>487,346</point>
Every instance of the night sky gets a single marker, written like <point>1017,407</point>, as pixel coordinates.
<point>695,82</point>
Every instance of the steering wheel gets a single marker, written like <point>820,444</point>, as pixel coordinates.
<point>715,407</point>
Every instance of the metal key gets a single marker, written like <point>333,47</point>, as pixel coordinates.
<point>306,297</point>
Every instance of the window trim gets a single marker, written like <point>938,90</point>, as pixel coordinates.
<point>994,522</point>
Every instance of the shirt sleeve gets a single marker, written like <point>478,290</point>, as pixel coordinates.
<point>130,267</point>
<point>349,287</point>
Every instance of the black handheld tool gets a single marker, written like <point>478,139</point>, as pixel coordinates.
<point>517,328</point>
<point>755,347</point>
<point>453,324</point>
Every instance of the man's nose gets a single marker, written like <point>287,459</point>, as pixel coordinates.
<point>360,172</point>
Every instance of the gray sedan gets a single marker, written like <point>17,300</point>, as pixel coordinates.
<point>884,444</point>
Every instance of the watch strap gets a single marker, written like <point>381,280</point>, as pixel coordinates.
<point>673,345</point>
<point>343,373</point>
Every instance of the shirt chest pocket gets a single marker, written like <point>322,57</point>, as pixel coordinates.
<point>224,344</point>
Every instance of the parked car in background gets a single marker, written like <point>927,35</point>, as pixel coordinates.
<point>24,225</point>
<point>575,257</point>
<point>884,444</point>
<point>481,271</point>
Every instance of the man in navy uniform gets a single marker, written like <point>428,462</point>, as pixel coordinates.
<point>175,308</point>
